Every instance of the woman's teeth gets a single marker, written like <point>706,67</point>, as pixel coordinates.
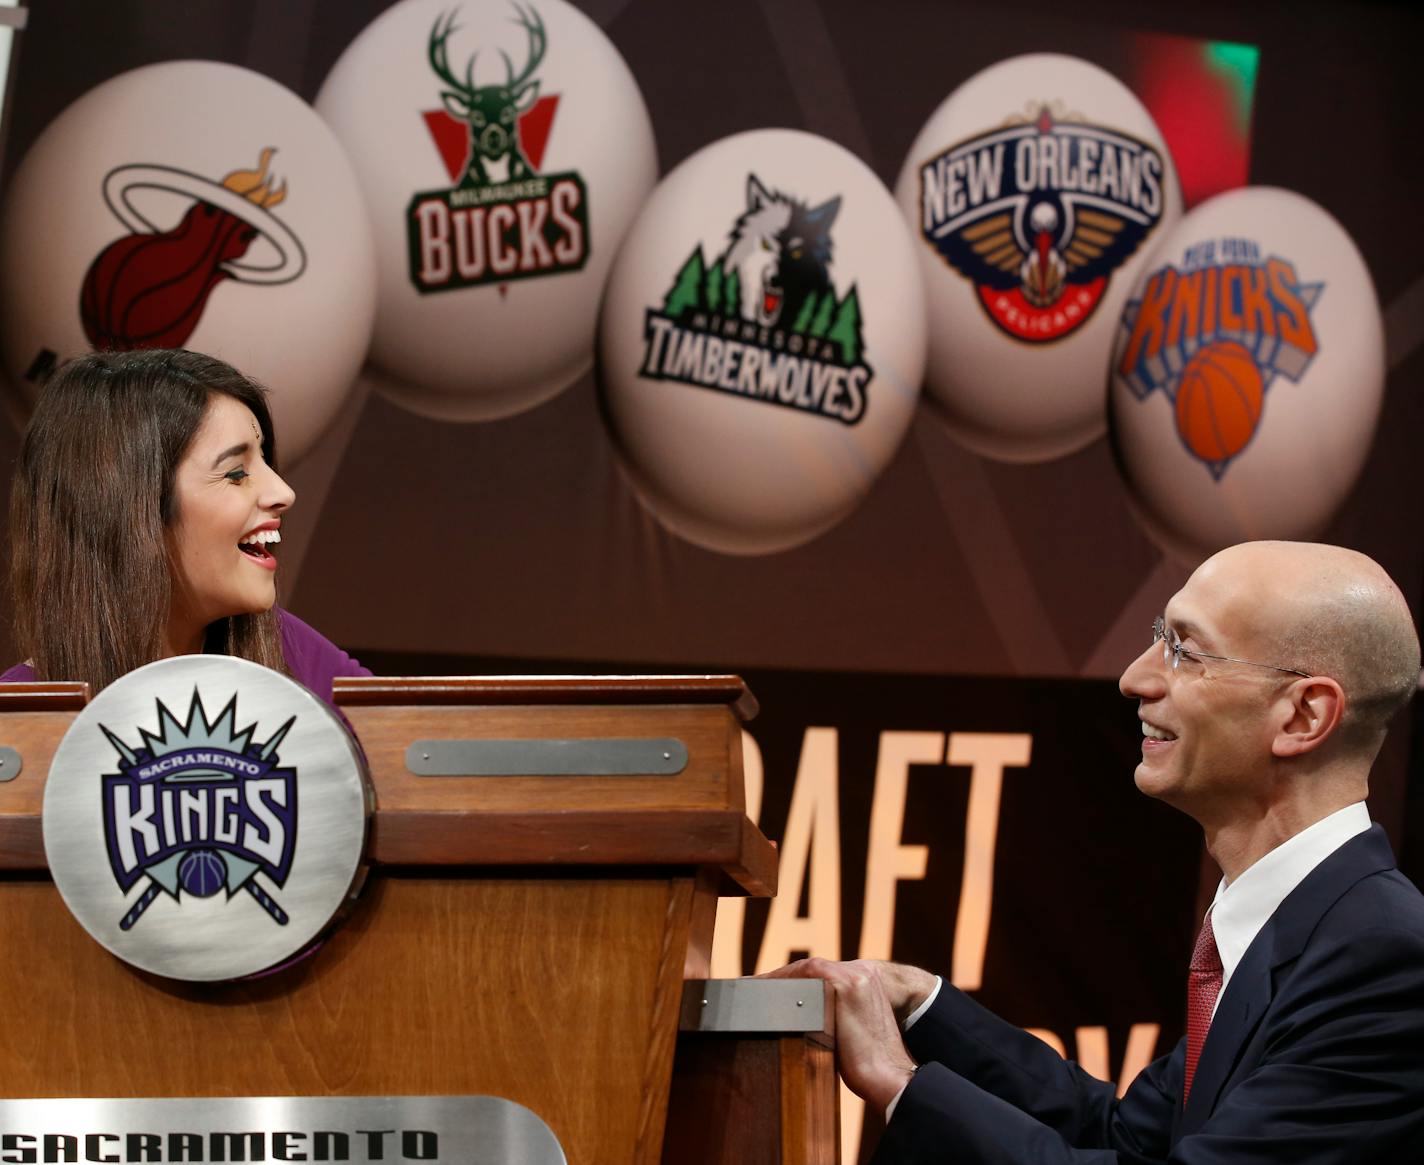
<point>1155,733</point>
<point>257,542</point>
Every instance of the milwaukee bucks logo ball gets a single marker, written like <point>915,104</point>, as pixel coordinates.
<point>503,148</point>
<point>1248,374</point>
<point>1034,192</point>
<point>204,817</point>
<point>763,342</point>
<point>192,204</point>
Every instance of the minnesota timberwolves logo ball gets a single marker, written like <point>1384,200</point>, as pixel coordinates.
<point>204,817</point>
<point>763,342</point>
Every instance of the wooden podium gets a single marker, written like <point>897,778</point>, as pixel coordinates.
<point>524,934</point>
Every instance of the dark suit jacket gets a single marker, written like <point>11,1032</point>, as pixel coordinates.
<point>1315,1055</point>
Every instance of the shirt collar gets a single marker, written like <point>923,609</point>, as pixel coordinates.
<point>1242,908</point>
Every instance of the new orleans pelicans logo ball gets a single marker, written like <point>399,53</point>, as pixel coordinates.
<point>192,204</point>
<point>1034,192</point>
<point>504,148</point>
<point>1248,374</point>
<point>204,817</point>
<point>762,355</point>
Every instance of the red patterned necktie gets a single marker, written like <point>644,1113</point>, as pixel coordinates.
<point>1203,986</point>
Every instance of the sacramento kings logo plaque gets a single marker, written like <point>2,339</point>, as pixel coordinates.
<point>205,817</point>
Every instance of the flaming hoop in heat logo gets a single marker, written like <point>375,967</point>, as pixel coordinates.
<point>149,288</point>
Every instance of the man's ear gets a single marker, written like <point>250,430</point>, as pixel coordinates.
<point>1311,714</point>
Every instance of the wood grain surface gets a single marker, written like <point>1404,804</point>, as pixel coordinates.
<point>560,994</point>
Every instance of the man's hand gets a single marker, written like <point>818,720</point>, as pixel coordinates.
<point>868,996</point>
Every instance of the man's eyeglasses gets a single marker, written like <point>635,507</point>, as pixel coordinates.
<point>1172,651</point>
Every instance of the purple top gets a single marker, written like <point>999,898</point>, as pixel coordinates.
<point>313,659</point>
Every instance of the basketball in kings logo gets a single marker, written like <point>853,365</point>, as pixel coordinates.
<point>1038,215</point>
<point>502,218</point>
<point>1213,335</point>
<point>149,288</point>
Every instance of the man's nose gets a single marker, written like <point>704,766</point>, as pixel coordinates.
<point>1145,678</point>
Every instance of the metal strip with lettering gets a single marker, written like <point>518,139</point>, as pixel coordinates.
<point>355,1130</point>
<point>583,757</point>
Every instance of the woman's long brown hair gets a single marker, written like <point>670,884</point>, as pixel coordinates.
<point>91,506</point>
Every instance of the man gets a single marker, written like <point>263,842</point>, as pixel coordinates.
<point>1264,699</point>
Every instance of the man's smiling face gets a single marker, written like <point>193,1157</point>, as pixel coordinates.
<point>1208,725</point>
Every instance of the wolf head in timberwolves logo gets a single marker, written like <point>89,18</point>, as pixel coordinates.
<point>502,218</point>
<point>764,320</point>
<point>1213,335</point>
<point>200,808</point>
<point>1038,215</point>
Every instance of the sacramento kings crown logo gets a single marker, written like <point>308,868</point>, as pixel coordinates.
<point>199,808</point>
<point>1039,214</point>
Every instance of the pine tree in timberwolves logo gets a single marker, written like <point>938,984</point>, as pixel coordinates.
<point>200,808</point>
<point>502,219</point>
<point>764,320</point>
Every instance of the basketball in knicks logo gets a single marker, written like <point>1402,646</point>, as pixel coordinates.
<point>1038,215</point>
<point>1213,335</point>
<point>148,289</point>
<point>763,320</point>
<point>200,809</point>
<point>502,219</point>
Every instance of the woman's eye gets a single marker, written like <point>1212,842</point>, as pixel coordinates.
<point>236,475</point>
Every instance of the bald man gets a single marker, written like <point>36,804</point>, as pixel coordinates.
<point>1264,699</point>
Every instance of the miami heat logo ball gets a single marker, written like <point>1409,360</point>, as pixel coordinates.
<point>148,288</point>
<point>1035,192</point>
<point>761,346</point>
<point>1247,375</point>
<point>504,148</point>
<point>192,204</point>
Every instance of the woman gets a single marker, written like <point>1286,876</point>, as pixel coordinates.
<point>144,514</point>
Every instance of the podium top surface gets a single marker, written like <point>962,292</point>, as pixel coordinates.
<point>533,690</point>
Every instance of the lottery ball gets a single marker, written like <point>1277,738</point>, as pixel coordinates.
<point>762,342</point>
<point>1247,375</point>
<point>192,204</point>
<point>503,149</point>
<point>1034,193</point>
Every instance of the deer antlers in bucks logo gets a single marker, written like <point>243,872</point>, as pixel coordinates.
<point>502,219</point>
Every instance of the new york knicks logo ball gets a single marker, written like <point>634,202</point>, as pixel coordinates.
<point>191,204</point>
<point>504,148</point>
<point>1247,374</point>
<point>1034,193</point>
<point>761,353</point>
<point>204,817</point>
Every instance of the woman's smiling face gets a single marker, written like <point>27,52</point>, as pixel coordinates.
<point>227,505</point>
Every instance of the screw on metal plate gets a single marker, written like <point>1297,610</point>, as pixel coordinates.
<point>10,764</point>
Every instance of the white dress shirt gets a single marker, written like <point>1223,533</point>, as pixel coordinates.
<point>1241,908</point>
